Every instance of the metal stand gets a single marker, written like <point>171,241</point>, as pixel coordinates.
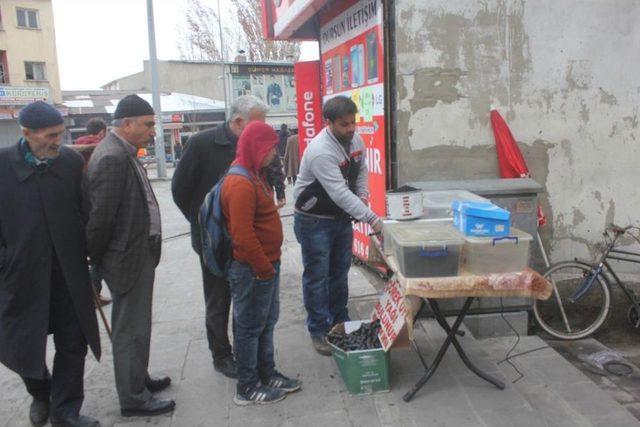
<point>452,332</point>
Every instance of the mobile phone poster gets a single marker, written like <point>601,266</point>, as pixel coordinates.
<point>352,64</point>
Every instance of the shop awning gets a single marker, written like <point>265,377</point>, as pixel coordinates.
<point>288,20</point>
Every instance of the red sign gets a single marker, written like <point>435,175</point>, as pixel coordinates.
<point>392,311</point>
<point>285,19</point>
<point>307,76</point>
<point>352,57</point>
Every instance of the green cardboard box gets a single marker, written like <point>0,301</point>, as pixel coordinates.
<point>363,371</point>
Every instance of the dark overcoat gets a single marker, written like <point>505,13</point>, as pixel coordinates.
<point>40,211</point>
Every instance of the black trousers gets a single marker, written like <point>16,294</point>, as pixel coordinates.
<point>217,299</point>
<point>65,387</point>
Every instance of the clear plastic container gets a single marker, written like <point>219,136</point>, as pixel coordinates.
<point>427,249</point>
<point>489,255</point>
<point>437,204</point>
<point>388,224</point>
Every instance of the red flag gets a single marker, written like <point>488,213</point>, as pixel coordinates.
<point>510,159</point>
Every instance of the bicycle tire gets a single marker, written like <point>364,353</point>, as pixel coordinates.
<point>601,285</point>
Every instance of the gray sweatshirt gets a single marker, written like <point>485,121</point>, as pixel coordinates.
<point>322,162</point>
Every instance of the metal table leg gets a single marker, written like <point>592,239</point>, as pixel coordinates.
<point>443,322</point>
<point>452,331</point>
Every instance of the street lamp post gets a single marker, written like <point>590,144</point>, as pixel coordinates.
<point>155,92</point>
<point>224,75</point>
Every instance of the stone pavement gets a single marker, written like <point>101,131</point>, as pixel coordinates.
<point>551,393</point>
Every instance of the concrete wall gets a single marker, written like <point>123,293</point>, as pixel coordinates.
<point>565,77</point>
<point>31,45</point>
<point>191,78</point>
<point>134,82</point>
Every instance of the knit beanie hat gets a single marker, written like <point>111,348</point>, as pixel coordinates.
<point>39,115</point>
<point>132,106</point>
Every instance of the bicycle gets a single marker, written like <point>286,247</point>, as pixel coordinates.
<point>581,299</point>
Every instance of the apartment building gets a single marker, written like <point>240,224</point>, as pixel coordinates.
<point>28,60</point>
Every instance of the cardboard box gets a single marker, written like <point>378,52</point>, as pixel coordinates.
<point>363,371</point>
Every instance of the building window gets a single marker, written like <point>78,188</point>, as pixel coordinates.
<point>28,18</point>
<point>35,71</point>
<point>4,71</point>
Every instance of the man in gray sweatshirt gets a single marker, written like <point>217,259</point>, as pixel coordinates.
<point>331,191</point>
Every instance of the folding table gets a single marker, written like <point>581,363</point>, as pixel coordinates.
<point>527,283</point>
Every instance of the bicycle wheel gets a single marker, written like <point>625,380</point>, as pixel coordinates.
<point>568,320</point>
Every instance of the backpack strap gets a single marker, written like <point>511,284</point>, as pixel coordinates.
<point>242,171</point>
<point>239,170</point>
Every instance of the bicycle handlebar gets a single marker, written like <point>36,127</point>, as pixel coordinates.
<point>616,229</point>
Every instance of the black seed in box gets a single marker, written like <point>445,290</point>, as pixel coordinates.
<point>364,338</point>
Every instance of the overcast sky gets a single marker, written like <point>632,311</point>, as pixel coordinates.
<point>101,40</point>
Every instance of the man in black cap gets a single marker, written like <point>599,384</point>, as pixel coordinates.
<point>44,279</point>
<point>124,238</point>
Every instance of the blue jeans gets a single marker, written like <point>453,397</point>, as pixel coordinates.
<point>326,257</point>
<point>256,306</point>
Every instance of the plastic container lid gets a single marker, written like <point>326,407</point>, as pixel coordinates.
<point>443,199</point>
<point>425,234</point>
<point>456,205</point>
<point>482,210</point>
<point>515,236</point>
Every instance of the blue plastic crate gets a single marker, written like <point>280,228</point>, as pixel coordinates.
<point>481,219</point>
<point>456,208</point>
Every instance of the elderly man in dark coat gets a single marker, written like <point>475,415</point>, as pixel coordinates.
<point>124,238</point>
<point>44,279</point>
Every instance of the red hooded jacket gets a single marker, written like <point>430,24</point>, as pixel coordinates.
<point>248,206</point>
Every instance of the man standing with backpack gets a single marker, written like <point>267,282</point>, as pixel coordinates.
<point>205,159</point>
<point>253,223</point>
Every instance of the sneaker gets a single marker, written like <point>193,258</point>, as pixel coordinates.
<point>320,345</point>
<point>226,367</point>
<point>259,395</point>
<point>280,382</point>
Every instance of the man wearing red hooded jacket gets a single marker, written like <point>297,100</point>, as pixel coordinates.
<point>254,224</point>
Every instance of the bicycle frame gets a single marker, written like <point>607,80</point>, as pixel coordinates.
<point>604,267</point>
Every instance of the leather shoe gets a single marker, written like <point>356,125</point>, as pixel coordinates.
<point>149,408</point>
<point>226,367</point>
<point>155,385</point>
<point>39,412</point>
<point>77,421</point>
<point>320,345</point>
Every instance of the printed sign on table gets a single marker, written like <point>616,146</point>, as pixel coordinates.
<point>392,311</point>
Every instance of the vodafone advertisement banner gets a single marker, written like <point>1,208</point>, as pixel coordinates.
<point>352,55</point>
<point>309,99</point>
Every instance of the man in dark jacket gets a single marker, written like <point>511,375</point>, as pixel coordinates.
<point>124,237</point>
<point>44,280</point>
<point>205,159</point>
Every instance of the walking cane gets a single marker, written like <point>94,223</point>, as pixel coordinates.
<point>96,299</point>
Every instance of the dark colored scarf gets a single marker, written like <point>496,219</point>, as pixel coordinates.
<point>33,161</point>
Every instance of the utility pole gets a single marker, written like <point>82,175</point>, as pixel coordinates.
<point>155,92</point>
<point>224,75</point>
